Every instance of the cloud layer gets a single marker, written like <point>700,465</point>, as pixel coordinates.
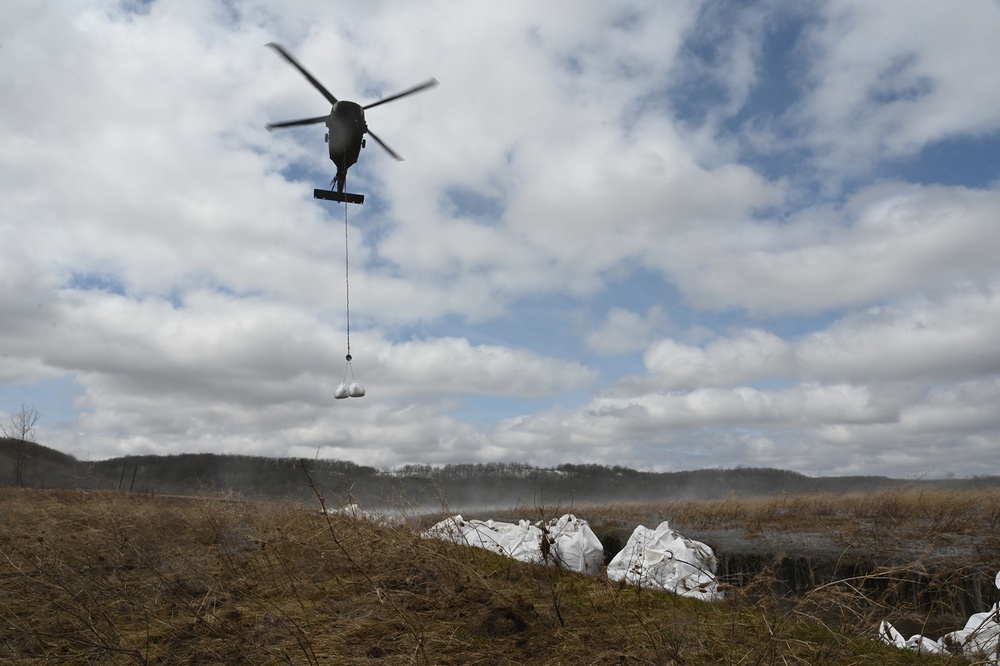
<point>666,235</point>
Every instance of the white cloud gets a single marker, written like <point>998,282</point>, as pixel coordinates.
<point>452,365</point>
<point>161,249</point>
<point>625,331</point>
<point>892,77</point>
<point>886,241</point>
<point>963,408</point>
<point>750,355</point>
<point>942,339</point>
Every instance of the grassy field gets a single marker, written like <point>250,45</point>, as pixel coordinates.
<point>900,511</point>
<point>116,578</point>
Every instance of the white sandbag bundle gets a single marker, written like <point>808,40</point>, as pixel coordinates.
<point>350,510</point>
<point>566,541</point>
<point>523,542</point>
<point>979,639</point>
<point>478,533</point>
<point>355,512</point>
<point>574,546</point>
<point>662,559</point>
<point>920,643</point>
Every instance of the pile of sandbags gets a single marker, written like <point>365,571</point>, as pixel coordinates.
<point>566,541</point>
<point>978,640</point>
<point>662,559</point>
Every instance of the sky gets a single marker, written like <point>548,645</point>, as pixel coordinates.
<point>664,235</point>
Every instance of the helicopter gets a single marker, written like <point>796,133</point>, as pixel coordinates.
<point>346,129</point>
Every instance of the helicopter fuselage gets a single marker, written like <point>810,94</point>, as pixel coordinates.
<point>346,126</point>
<point>346,129</point>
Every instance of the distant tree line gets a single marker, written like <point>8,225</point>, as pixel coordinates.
<point>496,484</point>
<point>467,471</point>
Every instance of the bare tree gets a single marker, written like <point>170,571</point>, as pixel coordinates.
<point>21,430</point>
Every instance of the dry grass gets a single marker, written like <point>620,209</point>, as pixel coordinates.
<point>902,510</point>
<point>113,578</point>
<point>923,558</point>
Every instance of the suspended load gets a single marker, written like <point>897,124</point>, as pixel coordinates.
<point>354,389</point>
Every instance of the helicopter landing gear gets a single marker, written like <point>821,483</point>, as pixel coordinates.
<point>341,181</point>
<point>342,197</point>
<point>339,195</point>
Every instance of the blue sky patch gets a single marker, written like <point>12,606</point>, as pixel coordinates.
<point>108,282</point>
<point>53,398</point>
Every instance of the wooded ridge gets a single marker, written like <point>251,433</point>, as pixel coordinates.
<point>459,486</point>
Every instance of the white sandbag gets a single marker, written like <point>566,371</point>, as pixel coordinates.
<point>476,533</point>
<point>355,512</point>
<point>523,542</point>
<point>890,635</point>
<point>350,510</point>
<point>979,639</point>
<point>574,545</point>
<point>566,541</point>
<point>663,559</point>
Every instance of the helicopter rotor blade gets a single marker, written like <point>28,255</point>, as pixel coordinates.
<point>294,63</point>
<point>387,148</point>
<point>430,83</point>
<point>295,123</point>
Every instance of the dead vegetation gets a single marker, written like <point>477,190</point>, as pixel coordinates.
<point>901,510</point>
<point>116,578</point>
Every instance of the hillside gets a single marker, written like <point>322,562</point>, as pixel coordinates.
<point>460,486</point>
<point>33,465</point>
<point>233,563</point>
